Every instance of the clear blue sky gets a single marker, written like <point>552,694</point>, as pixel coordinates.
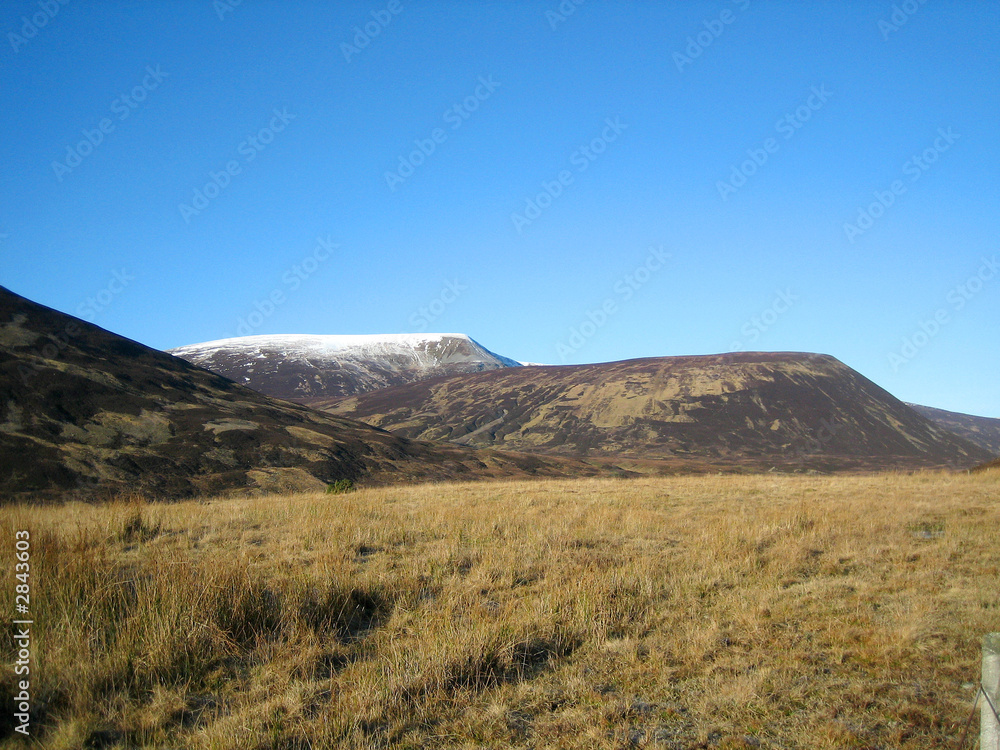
<point>633,115</point>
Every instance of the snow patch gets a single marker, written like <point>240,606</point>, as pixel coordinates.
<point>424,349</point>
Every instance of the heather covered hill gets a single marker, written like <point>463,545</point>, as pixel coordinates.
<point>782,409</point>
<point>86,412</point>
<point>983,431</point>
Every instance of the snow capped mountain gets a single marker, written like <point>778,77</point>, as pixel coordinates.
<point>306,367</point>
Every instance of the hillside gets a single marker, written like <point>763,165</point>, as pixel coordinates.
<point>300,367</point>
<point>751,409</point>
<point>983,431</point>
<point>86,412</point>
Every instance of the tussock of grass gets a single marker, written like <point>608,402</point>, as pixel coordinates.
<point>725,612</point>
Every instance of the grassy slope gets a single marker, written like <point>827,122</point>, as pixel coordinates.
<point>721,611</point>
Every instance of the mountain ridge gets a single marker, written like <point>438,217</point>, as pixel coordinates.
<point>318,368</point>
<point>983,431</point>
<point>87,413</point>
<point>788,408</point>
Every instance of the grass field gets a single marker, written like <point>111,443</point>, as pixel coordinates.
<point>716,611</point>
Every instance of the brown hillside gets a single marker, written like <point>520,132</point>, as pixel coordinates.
<point>983,431</point>
<point>786,409</point>
<point>86,412</point>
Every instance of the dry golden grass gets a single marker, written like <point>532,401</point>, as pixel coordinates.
<point>720,611</point>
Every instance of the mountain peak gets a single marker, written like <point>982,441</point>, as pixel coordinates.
<point>309,366</point>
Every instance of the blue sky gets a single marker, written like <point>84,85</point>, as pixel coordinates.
<point>622,180</point>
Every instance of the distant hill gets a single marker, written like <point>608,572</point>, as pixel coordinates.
<point>993,465</point>
<point>983,431</point>
<point>298,367</point>
<point>88,413</point>
<point>788,410</point>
